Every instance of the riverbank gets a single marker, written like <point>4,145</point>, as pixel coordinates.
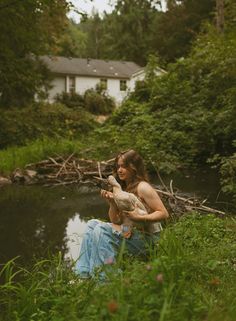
<point>191,276</point>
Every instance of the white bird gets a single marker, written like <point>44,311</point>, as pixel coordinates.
<point>126,201</point>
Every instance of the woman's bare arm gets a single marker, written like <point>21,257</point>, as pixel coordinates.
<point>149,195</point>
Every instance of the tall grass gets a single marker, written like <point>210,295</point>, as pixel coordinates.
<point>191,276</point>
<point>18,157</point>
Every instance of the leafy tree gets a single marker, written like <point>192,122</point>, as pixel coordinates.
<point>127,30</point>
<point>28,28</point>
<point>179,25</point>
<point>73,42</point>
<point>93,27</point>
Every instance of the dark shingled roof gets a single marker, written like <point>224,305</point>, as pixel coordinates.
<point>91,67</point>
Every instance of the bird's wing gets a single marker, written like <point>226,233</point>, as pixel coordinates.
<point>136,202</point>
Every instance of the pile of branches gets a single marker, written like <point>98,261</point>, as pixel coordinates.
<point>72,170</point>
<point>63,171</point>
<point>179,204</point>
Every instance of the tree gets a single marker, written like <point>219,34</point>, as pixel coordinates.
<point>220,15</point>
<point>125,33</point>
<point>29,28</point>
<point>73,42</point>
<point>93,27</point>
<point>179,25</point>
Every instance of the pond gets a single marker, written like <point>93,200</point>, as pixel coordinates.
<point>37,221</point>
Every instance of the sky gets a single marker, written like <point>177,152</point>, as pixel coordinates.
<point>87,6</point>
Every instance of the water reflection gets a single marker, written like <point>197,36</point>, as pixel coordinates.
<point>74,233</point>
<point>36,222</point>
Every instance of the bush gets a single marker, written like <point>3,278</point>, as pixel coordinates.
<point>18,127</point>
<point>98,104</point>
<point>70,100</point>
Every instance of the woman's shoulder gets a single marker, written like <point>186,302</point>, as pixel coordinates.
<point>144,187</point>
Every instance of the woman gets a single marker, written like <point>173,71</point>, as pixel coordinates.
<point>101,241</point>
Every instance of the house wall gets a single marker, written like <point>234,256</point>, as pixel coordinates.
<point>140,76</point>
<point>113,87</point>
<point>61,84</point>
<point>113,90</point>
<point>137,77</point>
<point>84,83</point>
<point>58,86</point>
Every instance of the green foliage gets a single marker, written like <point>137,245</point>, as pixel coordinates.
<point>98,103</point>
<point>93,28</point>
<point>94,101</point>
<point>19,126</point>
<point>190,115</point>
<point>227,169</point>
<point>18,157</point>
<point>190,275</point>
<point>31,31</point>
<point>137,28</point>
<point>228,175</point>
<point>72,42</point>
<point>124,34</point>
<point>179,26</point>
<point>71,100</point>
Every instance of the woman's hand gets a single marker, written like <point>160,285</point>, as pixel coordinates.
<point>107,195</point>
<point>134,215</point>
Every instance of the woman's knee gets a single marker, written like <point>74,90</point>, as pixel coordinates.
<point>102,230</point>
<point>91,224</point>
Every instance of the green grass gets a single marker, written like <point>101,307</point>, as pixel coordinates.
<point>18,157</point>
<point>191,276</point>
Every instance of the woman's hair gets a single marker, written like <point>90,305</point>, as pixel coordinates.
<point>135,164</point>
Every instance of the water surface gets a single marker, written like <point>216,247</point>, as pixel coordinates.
<point>37,221</point>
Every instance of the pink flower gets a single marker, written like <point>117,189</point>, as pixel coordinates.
<point>148,267</point>
<point>160,278</point>
<point>112,306</point>
<point>109,261</point>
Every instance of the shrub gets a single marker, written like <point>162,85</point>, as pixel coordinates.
<point>70,100</point>
<point>97,103</point>
<point>17,127</point>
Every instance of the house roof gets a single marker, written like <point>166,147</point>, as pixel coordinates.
<point>91,67</point>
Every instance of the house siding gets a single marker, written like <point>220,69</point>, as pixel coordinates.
<point>134,79</point>
<point>60,85</point>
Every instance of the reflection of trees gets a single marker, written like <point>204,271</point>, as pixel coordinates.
<point>33,220</point>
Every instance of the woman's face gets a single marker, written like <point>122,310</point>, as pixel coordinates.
<point>123,172</point>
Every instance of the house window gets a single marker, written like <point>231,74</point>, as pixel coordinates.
<point>71,85</point>
<point>103,83</point>
<point>123,85</point>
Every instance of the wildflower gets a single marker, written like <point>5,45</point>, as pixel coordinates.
<point>148,267</point>
<point>109,260</point>
<point>159,278</point>
<point>215,281</point>
<point>112,306</point>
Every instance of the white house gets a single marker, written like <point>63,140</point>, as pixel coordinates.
<point>77,75</point>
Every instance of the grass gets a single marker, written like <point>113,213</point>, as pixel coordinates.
<point>18,157</point>
<point>191,276</point>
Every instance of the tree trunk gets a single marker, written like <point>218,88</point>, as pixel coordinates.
<point>220,15</point>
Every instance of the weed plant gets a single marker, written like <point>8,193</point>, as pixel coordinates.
<point>18,157</point>
<point>189,275</point>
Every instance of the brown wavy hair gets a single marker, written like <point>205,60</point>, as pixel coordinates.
<point>135,164</point>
